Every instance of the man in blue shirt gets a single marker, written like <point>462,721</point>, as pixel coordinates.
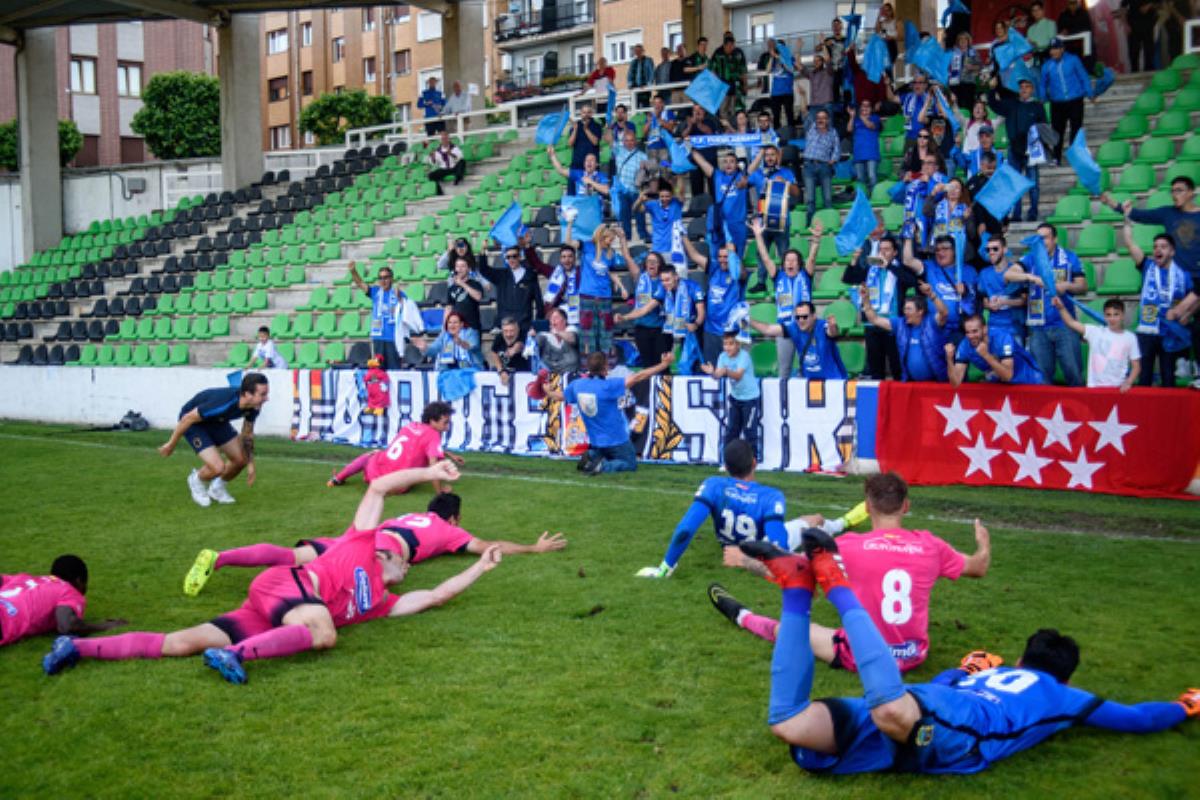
<point>941,274</point>
<point>723,296</point>
<point>776,178</point>
<point>961,722</point>
<point>813,340</point>
<point>386,298</point>
<point>204,421</point>
<point>1065,83</point>
<point>597,397</point>
<point>1000,295</point>
<point>997,354</point>
<point>585,138</point>
<point>822,151</point>
<point>727,214</point>
<point>432,102</point>
<point>741,510</point>
<point>920,338</point>
<point>741,416</point>
<point>664,216</point>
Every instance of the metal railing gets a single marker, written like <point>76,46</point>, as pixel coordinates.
<point>461,125</point>
<point>185,181</point>
<point>1191,36</point>
<point>538,22</point>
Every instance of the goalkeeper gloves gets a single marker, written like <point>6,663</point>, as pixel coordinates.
<point>978,661</point>
<point>663,570</point>
<point>1190,700</point>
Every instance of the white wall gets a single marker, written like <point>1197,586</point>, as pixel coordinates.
<point>101,396</point>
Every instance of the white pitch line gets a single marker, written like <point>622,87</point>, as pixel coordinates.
<point>593,484</point>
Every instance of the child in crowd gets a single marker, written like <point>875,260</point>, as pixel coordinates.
<point>741,418</point>
<point>1114,359</point>
<point>265,355</point>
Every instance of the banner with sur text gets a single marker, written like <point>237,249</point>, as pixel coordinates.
<point>1144,442</point>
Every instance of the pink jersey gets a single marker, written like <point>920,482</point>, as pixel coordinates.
<point>350,580</point>
<point>427,535</point>
<point>27,604</point>
<point>416,445</point>
<point>893,572</point>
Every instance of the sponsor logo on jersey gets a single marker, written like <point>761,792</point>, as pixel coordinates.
<point>362,590</point>
<point>893,547</point>
<point>905,650</point>
<point>924,736</point>
<point>9,608</point>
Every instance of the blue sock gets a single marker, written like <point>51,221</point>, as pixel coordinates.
<point>792,660</point>
<point>876,667</point>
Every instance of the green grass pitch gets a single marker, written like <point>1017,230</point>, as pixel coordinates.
<point>557,675</point>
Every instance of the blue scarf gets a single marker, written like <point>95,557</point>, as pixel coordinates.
<point>566,285</point>
<point>680,310</point>
<point>881,284</point>
<point>1156,299</point>
<point>383,310</point>
<point>642,295</point>
<point>789,291</point>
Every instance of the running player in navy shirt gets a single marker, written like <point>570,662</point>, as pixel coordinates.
<point>204,422</point>
<point>741,510</point>
<point>961,722</point>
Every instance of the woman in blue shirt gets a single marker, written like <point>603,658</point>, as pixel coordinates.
<point>597,260</point>
<point>456,356</point>
<point>647,314</point>
<point>865,127</point>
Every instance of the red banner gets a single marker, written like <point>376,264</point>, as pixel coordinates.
<point>1145,442</point>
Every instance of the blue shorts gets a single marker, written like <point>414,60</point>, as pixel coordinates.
<point>861,746</point>
<point>204,435</point>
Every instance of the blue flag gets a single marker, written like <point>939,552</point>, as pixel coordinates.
<point>1101,84</point>
<point>681,162</point>
<point>690,356</point>
<point>1019,71</point>
<point>853,24</point>
<point>588,213</point>
<point>1041,262</point>
<point>708,91</point>
<point>1016,47</point>
<point>610,107</point>
<point>875,58</point>
<point>1091,312</point>
<point>960,253</point>
<point>552,127</point>
<point>897,192</point>
<point>1003,190</point>
<point>1084,165</point>
<point>912,39</point>
<point>955,7</point>
<point>857,227</point>
<point>785,55</point>
<point>947,112</point>
<point>931,59</point>
<point>507,228</point>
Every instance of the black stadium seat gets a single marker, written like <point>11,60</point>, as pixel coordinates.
<point>24,355</point>
<point>55,357</point>
<point>149,304</point>
<point>63,334</point>
<point>71,353</point>
<point>133,307</point>
<point>40,355</point>
<point>116,307</point>
<point>99,309</point>
<point>360,354</point>
<point>95,331</point>
<point>112,327</point>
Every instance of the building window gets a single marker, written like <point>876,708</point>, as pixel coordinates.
<point>277,41</point>
<point>619,46</point>
<point>306,83</point>
<point>339,49</point>
<point>129,80</point>
<point>368,19</point>
<point>402,62</point>
<point>83,75</point>
<point>133,150</point>
<point>404,111</point>
<point>583,58</point>
<point>309,138</point>
<point>429,26</point>
<point>424,75</point>
<point>339,89</point>
<point>281,137</point>
<point>369,70</point>
<point>402,12</point>
<point>673,34</point>
<point>277,89</point>
<point>306,34</point>
<point>762,26</point>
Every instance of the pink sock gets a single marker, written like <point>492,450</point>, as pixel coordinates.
<point>762,627</point>
<point>257,555</point>
<point>284,641</point>
<point>123,646</point>
<point>354,467</point>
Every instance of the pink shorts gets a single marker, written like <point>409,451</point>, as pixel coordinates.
<point>380,465</point>
<point>383,541</point>
<point>275,592</point>
<point>843,658</point>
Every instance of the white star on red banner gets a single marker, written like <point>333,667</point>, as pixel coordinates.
<point>957,417</point>
<point>981,457</point>
<point>1007,423</point>
<point>1029,464</point>
<point>1112,432</point>
<point>1081,470</point>
<point>1058,429</point>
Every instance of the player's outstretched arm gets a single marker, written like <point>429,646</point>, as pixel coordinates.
<point>370,509</point>
<point>977,563</point>
<point>67,622</point>
<point>186,421</point>
<point>416,602</point>
<point>545,543</point>
<point>684,531</point>
<point>1145,717</point>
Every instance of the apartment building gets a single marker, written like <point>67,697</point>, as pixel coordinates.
<point>101,72</point>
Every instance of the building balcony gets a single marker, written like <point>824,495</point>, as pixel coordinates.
<point>547,24</point>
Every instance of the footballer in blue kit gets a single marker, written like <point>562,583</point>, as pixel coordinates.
<point>961,722</point>
<point>996,353</point>
<point>741,510</point>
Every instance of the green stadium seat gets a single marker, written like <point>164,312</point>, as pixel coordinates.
<point>334,353</point>
<point>127,331</point>
<point>342,299</point>
<point>1143,237</point>
<point>257,300</point>
<point>1137,178</point>
<point>181,328</point>
<point>1131,126</point>
<point>200,329</point>
<point>1187,61</point>
<point>1181,170</point>
<point>302,327</point>
<point>1149,103</point>
<point>1121,277</point>
<point>326,325</point>
<point>1105,214</point>
<point>141,356</point>
<point>105,355</point>
<point>218,326</point>
<point>200,304</point>
<point>318,298</point>
<point>765,313</point>
<point>239,356</point>
<point>162,328</point>
<point>178,355</point>
<point>183,304</point>
<point>846,316</point>
<point>218,303</point>
<point>145,329</point>
<point>1089,272</point>
<point>764,358</point>
<point>308,356</point>
<point>1166,80</point>
<point>829,285</point>
<point>1191,149</point>
<point>1096,240</point>
<point>1187,101</point>
<point>87,356</point>
<point>1071,209</point>
<point>854,357</point>
<point>1173,123</point>
<point>879,195</point>
<point>1160,198</point>
<point>1154,151</point>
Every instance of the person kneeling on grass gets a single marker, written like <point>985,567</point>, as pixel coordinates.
<point>417,538</point>
<point>36,604</point>
<point>961,722</point>
<point>204,421</point>
<point>290,610</point>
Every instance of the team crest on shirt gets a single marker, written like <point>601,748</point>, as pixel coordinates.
<point>588,404</point>
<point>362,590</point>
<point>924,736</point>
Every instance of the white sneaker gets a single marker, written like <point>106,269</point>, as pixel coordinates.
<point>198,489</point>
<point>218,492</point>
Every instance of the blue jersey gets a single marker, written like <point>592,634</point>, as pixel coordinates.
<point>649,289</point>
<point>1001,345</point>
<point>597,399</point>
<point>723,296</point>
<point>218,405</point>
<point>594,267</point>
<point>662,221</point>
<point>740,510</point>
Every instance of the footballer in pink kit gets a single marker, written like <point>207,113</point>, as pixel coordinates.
<point>892,571</point>
<point>418,444</point>
<point>31,605</point>
<point>292,609</point>
<point>414,537</point>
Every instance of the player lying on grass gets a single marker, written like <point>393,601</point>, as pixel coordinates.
<point>416,537</point>
<point>740,509</point>
<point>34,604</point>
<point>962,721</point>
<point>893,571</point>
<point>204,422</point>
<point>292,609</point>
<point>418,444</point>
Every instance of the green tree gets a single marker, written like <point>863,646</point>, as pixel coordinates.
<point>69,142</point>
<point>331,115</point>
<point>180,115</point>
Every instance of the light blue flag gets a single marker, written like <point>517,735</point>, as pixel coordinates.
<point>588,213</point>
<point>912,39</point>
<point>1084,165</point>
<point>681,162</point>
<point>1003,190</point>
<point>1019,71</point>
<point>960,253</point>
<point>947,112</point>
<point>875,58</point>
<point>708,91</point>
<point>931,59</point>
<point>552,127</point>
<point>1041,262</point>
<point>691,355</point>
<point>785,55</point>
<point>853,25</point>
<point>610,107</point>
<point>1091,312</point>
<point>897,192</point>
<point>955,7</point>
<point>507,229</point>
<point>857,227</point>
<point>1102,84</point>
<point>1016,47</point>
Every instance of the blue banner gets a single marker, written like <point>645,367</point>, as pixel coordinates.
<point>858,225</point>
<point>1003,190</point>
<point>552,127</point>
<point>507,229</point>
<point>588,213</point>
<point>1084,165</point>
<point>707,90</point>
